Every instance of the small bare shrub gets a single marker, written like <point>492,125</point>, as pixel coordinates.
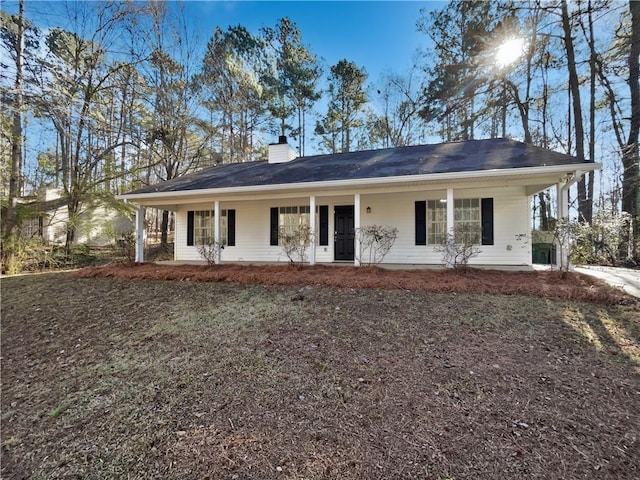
<point>375,242</point>
<point>564,234</point>
<point>123,232</point>
<point>125,246</point>
<point>295,243</point>
<point>210,251</point>
<point>462,246</point>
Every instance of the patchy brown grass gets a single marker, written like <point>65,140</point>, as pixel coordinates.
<point>547,284</point>
<point>108,378</point>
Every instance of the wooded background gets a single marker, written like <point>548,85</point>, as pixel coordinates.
<point>116,99</point>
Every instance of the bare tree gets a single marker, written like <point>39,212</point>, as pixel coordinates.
<point>176,137</point>
<point>585,204</point>
<point>10,227</point>
<point>631,154</point>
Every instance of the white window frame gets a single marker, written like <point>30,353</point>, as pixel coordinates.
<point>465,210</point>
<point>469,211</point>
<point>436,222</point>
<point>291,217</point>
<point>203,227</point>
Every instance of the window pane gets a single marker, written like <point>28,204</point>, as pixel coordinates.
<point>204,227</point>
<point>436,221</point>
<point>292,217</point>
<point>223,227</point>
<point>467,223</point>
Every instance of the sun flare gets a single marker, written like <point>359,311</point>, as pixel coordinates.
<point>509,51</point>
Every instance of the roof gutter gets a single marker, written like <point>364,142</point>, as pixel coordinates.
<point>365,182</point>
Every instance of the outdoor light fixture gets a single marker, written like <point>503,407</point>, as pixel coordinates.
<point>368,209</point>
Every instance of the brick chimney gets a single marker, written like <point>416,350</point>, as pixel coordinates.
<point>281,152</point>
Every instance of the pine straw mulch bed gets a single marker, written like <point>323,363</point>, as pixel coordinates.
<point>545,284</point>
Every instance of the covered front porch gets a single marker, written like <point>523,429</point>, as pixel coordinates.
<point>243,225</point>
<point>243,229</point>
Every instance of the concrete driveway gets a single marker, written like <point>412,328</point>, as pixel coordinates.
<point>624,278</point>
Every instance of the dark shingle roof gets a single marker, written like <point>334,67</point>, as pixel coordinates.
<point>469,156</point>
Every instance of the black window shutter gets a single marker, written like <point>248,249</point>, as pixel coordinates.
<point>231,228</point>
<point>421,223</point>
<point>190,228</point>
<point>487,221</point>
<point>274,226</point>
<point>324,224</point>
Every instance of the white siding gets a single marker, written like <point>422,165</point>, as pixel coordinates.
<point>511,218</point>
<point>252,232</point>
<point>94,225</point>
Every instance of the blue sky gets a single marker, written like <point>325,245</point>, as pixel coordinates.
<point>379,36</point>
<point>376,35</point>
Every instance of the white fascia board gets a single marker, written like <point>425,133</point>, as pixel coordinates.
<point>366,182</point>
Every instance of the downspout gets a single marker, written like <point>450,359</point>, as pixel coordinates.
<point>562,190</point>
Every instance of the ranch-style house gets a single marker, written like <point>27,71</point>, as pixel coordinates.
<point>422,190</point>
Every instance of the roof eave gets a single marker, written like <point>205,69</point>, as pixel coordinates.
<point>368,182</point>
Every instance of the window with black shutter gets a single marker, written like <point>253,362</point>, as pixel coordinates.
<point>421,222</point>
<point>324,224</point>
<point>487,221</point>
<point>190,228</point>
<point>231,228</point>
<point>273,237</point>
<point>201,228</point>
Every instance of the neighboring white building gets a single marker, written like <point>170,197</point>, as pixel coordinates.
<point>421,190</point>
<point>49,221</point>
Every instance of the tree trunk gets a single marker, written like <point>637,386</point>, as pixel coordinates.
<point>544,219</point>
<point>10,236</point>
<point>73,209</point>
<point>303,134</point>
<point>503,110</point>
<point>630,154</point>
<point>164,231</point>
<point>592,106</point>
<point>584,203</point>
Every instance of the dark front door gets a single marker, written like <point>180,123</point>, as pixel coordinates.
<point>344,233</point>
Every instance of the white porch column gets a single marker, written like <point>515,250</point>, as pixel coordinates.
<point>312,224</point>
<point>450,227</point>
<point>216,230</point>
<point>141,233</point>
<point>562,244</point>
<point>450,210</point>
<point>356,226</point>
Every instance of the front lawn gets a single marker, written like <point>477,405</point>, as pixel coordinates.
<point>112,378</point>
